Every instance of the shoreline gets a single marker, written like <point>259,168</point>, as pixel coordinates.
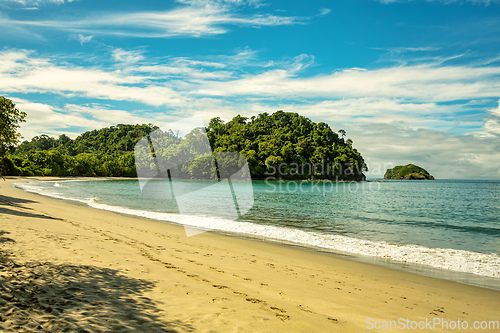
<point>469,278</point>
<point>217,282</point>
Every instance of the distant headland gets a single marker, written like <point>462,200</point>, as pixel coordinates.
<point>408,172</point>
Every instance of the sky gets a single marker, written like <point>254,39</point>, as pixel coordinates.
<point>410,81</point>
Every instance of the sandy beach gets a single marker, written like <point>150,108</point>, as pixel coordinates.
<point>73,268</point>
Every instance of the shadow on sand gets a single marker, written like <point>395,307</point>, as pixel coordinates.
<point>45,297</point>
<point>5,239</point>
<point>14,206</point>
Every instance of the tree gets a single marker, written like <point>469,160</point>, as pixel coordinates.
<point>10,117</point>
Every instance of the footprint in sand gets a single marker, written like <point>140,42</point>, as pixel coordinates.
<point>240,293</point>
<point>283,317</point>
<point>255,300</point>
<point>218,286</point>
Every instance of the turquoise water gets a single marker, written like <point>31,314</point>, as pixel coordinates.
<point>445,224</point>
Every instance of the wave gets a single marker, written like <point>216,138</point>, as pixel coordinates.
<point>481,264</point>
<point>456,260</point>
<point>33,188</point>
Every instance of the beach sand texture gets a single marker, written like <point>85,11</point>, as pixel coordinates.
<point>72,268</point>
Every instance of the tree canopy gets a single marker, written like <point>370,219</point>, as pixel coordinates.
<point>104,152</point>
<point>10,117</point>
<point>289,146</point>
<point>283,145</point>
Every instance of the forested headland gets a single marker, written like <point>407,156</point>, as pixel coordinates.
<point>278,144</point>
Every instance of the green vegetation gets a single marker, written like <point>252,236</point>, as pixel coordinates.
<point>104,152</point>
<point>409,171</point>
<point>284,145</point>
<point>288,146</point>
<point>10,117</point>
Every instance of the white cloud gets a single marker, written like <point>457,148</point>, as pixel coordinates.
<point>72,119</point>
<point>83,39</point>
<point>127,57</point>
<point>111,116</point>
<point>496,111</point>
<point>22,72</point>
<point>324,11</point>
<point>421,82</point>
<point>492,126</point>
<point>184,21</point>
<point>193,21</point>
<point>45,119</point>
<point>183,70</point>
<point>34,4</point>
<point>202,3</point>
<point>360,111</point>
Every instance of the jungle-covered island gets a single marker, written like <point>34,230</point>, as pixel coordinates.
<point>283,144</point>
<point>408,172</point>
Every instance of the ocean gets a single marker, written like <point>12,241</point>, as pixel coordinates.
<point>444,228</point>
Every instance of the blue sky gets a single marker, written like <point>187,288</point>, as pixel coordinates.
<point>410,81</point>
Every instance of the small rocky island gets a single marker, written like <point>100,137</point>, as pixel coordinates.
<point>408,172</point>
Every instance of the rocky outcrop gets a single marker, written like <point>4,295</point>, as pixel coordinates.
<point>408,172</point>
